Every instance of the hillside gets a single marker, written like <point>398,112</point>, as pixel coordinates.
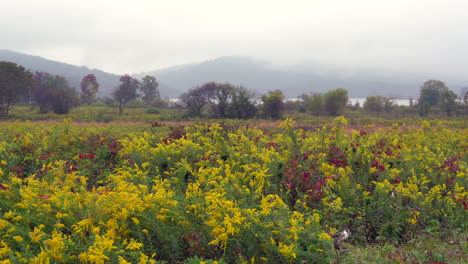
<point>247,72</point>
<point>262,77</point>
<point>72,73</point>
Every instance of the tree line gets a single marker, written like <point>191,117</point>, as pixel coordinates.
<point>434,97</point>
<point>223,100</point>
<point>53,92</point>
<point>215,100</point>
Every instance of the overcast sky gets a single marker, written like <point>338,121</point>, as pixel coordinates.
<point>141,35</point>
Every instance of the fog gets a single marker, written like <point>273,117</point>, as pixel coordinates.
<point>420,36</point>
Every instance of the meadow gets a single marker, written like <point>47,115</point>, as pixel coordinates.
<point>132,190</point>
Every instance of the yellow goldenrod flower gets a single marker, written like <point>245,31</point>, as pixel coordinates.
<point>287,251</point>
<point>4,249</point>
<point>18,238</point>
<point>36,235</point>
<point>133,245</point>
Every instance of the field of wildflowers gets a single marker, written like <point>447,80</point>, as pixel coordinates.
<point>220,193</point>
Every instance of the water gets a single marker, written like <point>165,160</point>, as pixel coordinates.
<point>403,102</point>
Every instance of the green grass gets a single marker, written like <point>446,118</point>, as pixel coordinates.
<point>426,248</point>
<point>106,114</point>
<point>93,114</point>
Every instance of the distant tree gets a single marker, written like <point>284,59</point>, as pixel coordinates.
<point>316,104</point>
<point>53,92</point>
<point>335,101</point>
<point>208,92</point>
<point>89,87</point>
<point>149,88</point>
<point>218,97</point>
<point>293,105</point>
<point>223,95</point>
<point>215,95</point>
<point>429,95</point>
<point>312,103</point>
<point>465,100</point>
<point>463,90</point>
<point>15,83</point>
<point>389,104</point>
<point>430,92</point>
<point>357,106</point>
<point>379,104</point>
<point>63,97</point>
<point>242,105</point>
<point>303,104</point>
<point>273,104</point>
<point>223,99</point>
<point>448,101</point>
<point>126,91</point>
<point>41,94</point>
<point>194,100</point>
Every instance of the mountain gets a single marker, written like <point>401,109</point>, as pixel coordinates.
<point>74,74</point>
<point>293,81</point>
<point>250,73</point>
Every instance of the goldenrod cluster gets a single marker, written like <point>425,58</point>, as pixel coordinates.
<point>217,193</point>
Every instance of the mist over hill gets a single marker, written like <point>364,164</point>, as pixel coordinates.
<point>293,81</point>
<point>247,72</point>
<point>74,74</point>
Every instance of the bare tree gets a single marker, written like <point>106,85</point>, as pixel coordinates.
<point>126,91</point>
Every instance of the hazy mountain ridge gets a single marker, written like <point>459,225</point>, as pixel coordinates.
<point>261,77</point>
<point>242,71</point>
<point>74,74</point>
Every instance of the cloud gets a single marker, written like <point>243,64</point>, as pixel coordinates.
<point>123,36</point>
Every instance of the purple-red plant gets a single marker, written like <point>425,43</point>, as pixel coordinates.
<point>303,177</point>
<point>337,157</point>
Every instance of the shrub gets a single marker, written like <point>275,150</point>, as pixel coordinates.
<point>152,110</point>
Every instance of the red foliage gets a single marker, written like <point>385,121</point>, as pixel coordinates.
<point>337,157</point>
<point>176,133</point>
<point>19,172</point>
<point>303,176</point>
<point>452,164</point>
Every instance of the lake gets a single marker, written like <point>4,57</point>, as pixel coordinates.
<point>404,102</point>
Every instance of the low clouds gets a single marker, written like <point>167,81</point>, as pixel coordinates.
<point>121,36</point>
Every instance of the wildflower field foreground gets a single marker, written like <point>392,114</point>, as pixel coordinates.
<point>218,193</point>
